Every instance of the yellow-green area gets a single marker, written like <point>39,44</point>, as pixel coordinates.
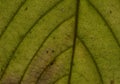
<point>59,41</point>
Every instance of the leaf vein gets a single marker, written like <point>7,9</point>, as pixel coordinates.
<point>11,19</point>
<point>74,40</point>
<point>16,48</point>
<point>60,78</point>
<point>45,69</point>
<point>108,25</point>
<point>91,55</point>
<point>41,46</point>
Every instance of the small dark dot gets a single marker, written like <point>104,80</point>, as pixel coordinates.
<point>110,11</point>
<point>53,51</point>
<point>46,51</point>
<point>52,63</point>
<point>26,8</point>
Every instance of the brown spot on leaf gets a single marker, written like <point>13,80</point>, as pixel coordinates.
<point>53,51</point>
<point>112,82</point>
<point>47,51</point>
<point>110,11</point>
<point>26,8</point>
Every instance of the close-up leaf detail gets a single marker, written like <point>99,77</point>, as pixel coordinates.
<point>59,41</point>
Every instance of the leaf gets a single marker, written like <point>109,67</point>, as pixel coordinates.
<point>59,42</point>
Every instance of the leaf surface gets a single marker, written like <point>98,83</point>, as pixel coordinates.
<point>59,42</point>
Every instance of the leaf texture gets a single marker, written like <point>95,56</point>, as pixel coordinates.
<point>59,42</point>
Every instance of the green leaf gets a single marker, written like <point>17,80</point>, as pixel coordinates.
<point>59,42</point>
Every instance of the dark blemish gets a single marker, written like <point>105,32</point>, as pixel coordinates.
<point>47,51</point>
<point>26,8</point>
<point>53,51</point>
<point>110,11</point>
<point>112,82</point>
<point>52,63</point>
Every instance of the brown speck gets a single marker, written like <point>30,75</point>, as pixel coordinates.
<point>47,51</point>
<point>26,8</point>
<point>52,63</point>
<point>112,82</point>
<point>110,11</point>
<point>53,51</point>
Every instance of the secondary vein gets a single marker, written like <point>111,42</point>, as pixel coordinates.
<point>42,45</point>
<point>16,48</point>
<point>65,75</point>
<point>109,27</point>
<point>45,69</point>
<point>12,18</point>
<point>91,55</point>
